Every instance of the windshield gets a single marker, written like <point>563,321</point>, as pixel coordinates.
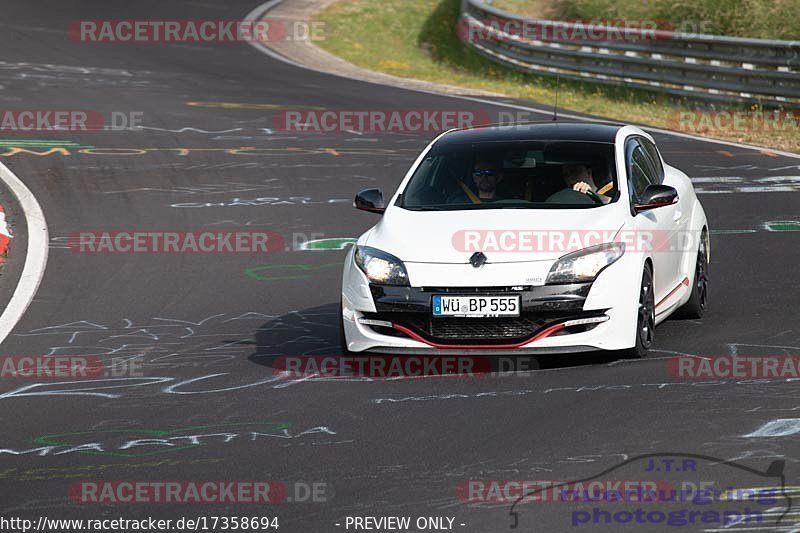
<point>532,175</point>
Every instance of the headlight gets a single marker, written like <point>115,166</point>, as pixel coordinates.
<point>584,265</point>
<point>380,267</point>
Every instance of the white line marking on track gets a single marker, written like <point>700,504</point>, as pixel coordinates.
<point>255,15</point>
<point>36,254</point>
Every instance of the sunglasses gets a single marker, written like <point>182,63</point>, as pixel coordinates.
<point>486,172</point>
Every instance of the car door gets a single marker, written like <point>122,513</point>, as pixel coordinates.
<point>683,209</point>
<point>660,224</point>
<point>681,242</point>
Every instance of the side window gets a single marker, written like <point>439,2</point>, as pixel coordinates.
<point>652,153</point>
<point>640,169</point>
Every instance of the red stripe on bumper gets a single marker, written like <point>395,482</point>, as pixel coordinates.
<point>542,334</point>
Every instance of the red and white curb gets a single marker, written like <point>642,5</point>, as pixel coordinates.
<point>35,255</point>
<point>5,235</point>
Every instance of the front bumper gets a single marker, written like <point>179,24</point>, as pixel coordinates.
<point>405,312</point>
<point>553,318</point>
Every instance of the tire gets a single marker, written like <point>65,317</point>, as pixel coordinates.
<point>646,318</point>
<point>698,300</point>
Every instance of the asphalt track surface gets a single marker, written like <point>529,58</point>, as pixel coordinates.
<point>207,328</point>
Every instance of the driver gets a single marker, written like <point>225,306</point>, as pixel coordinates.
<point>486,174</point>
<point>579,178</point>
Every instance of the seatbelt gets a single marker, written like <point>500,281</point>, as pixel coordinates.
<point>469,193</point>
<point>605,188</point>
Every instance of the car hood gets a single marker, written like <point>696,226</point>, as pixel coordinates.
<point>503,235</point>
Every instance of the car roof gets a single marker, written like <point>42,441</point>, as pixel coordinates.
<point>544,131</point>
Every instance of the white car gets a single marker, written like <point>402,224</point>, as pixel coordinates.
<point>539,239</point>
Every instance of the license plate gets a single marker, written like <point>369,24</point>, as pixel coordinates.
<point>476,306</point>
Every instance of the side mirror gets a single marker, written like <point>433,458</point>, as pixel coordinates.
<point>370,200</point>
<point>656,196</point>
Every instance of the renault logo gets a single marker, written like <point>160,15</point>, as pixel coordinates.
<point>477,260</point>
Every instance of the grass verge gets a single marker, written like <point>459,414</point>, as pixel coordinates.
<point>417,39</point>
<point>761,19</point>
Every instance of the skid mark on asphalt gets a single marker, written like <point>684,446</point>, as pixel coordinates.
<point>169,343</point>
<point>251,105</point>
<point>582,389</point>
<point>82,471</point>
<point>747,167</point>
<point>50,75</point>
<point>264,201</point>
<point>65,149</point>
<point>188,130</point>
<point>207,188</point>
<point>781,427</point>
<point>742,184</point>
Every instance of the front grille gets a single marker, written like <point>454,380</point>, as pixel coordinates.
<point>451,329</point>
<point>477,331</point>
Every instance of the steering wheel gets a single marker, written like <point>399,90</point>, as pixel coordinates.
<point>595,197</point>
<point>570,196</point>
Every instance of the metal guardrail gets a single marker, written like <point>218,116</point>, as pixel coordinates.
<point>709,67</point>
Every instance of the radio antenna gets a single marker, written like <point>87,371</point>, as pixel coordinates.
<point>555,106</point>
